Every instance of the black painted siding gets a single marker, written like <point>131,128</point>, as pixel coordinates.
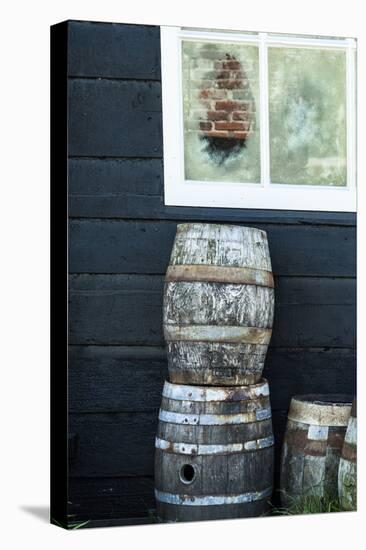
<point>120,237</point>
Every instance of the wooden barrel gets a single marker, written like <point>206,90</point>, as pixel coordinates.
<point>218,305</point>
<point>214,452</point>
<point>347,473</point>
<point>315,431</point>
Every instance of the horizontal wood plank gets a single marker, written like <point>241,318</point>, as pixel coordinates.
<point>127,310</point>
<point>116,246</point>
<point>112,186</point>
<point>113,50</point>
<point>128,379</point>
<point>106,498</point>
<point>123,444</point>
<point>114,444</point>
<point>125,188</point>
<point>116,378</point>
<point>115,118</point>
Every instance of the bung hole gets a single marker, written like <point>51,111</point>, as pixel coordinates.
<point>187,473</point>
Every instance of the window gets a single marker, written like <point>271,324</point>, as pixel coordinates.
<point>258,120</point>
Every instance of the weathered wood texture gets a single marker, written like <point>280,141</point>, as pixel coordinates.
<point>108,50</point>
<point>347,473</point>
<point>111,497</point>
<point>213,452</point>
<point>101,127</point>
<point>218,305</point>
<point>98,306</point>
<point>122,246</point>
<point>102,379</point>
<point>106,188</point>
<point>312,445</point>
<point>117,363</point>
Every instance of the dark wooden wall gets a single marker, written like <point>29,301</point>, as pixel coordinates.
<point>120,237</point>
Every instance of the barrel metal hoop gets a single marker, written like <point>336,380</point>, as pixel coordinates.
<point>197,450</point>
<point>349,452</point>
<point>181,392</point>
<point>213,419</point>
<point>211,500</point>
<point>215,333</point>
<point>219,274</point>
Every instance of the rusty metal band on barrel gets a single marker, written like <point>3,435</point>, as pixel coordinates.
<point>349,452</point>
<point>219,274</point>
<point>200,449</point>
<point>214,500</point>
<point>214,333</point>
<point>182,392</point>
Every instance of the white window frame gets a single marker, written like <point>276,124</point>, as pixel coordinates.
<point>263,194</point>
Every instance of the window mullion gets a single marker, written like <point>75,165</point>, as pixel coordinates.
<point>264,114</point>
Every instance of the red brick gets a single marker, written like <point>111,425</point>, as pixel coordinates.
<point>217,115</point>
<point>231,105</point>
<point>204,94</point>
<point>222,74</point>
<point>231,64</point>
<point>230,84</point>
<point>205,125</point>
<point>212,93</point>
<point>240,115</point>
<point>230,126</point>
<point>217,134</point>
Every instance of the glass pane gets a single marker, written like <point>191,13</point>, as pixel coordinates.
<point>307,116</point>
<point>220,103</point>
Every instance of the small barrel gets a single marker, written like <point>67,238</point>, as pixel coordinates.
<point>218,305</point>
<point>347,473</point>
<point>213,452</point>
<point>313,441</point>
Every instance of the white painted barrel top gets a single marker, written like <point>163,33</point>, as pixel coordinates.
<point>221,245</point>
<point>321,409</point>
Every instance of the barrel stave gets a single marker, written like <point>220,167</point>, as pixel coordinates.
<point>171,513</point>
<point>207,362</point>
<point>216,434</point>
<point>203,303</point>
<point>212,244</point>
<point>216,407</point>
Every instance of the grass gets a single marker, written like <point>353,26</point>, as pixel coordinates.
<point>309,505</point>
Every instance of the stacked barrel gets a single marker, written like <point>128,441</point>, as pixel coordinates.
<point>214,446</point>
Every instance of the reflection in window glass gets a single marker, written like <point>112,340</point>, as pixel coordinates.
<point>307,116</point>
<point>221,104</point>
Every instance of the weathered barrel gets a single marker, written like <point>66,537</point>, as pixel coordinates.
<point>314,436</point>
<point>214,452</point>
<point>347,473</point>
<point>218,305</point>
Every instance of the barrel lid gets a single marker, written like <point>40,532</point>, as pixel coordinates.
<point>182,392</point>
<point>321,409</point>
